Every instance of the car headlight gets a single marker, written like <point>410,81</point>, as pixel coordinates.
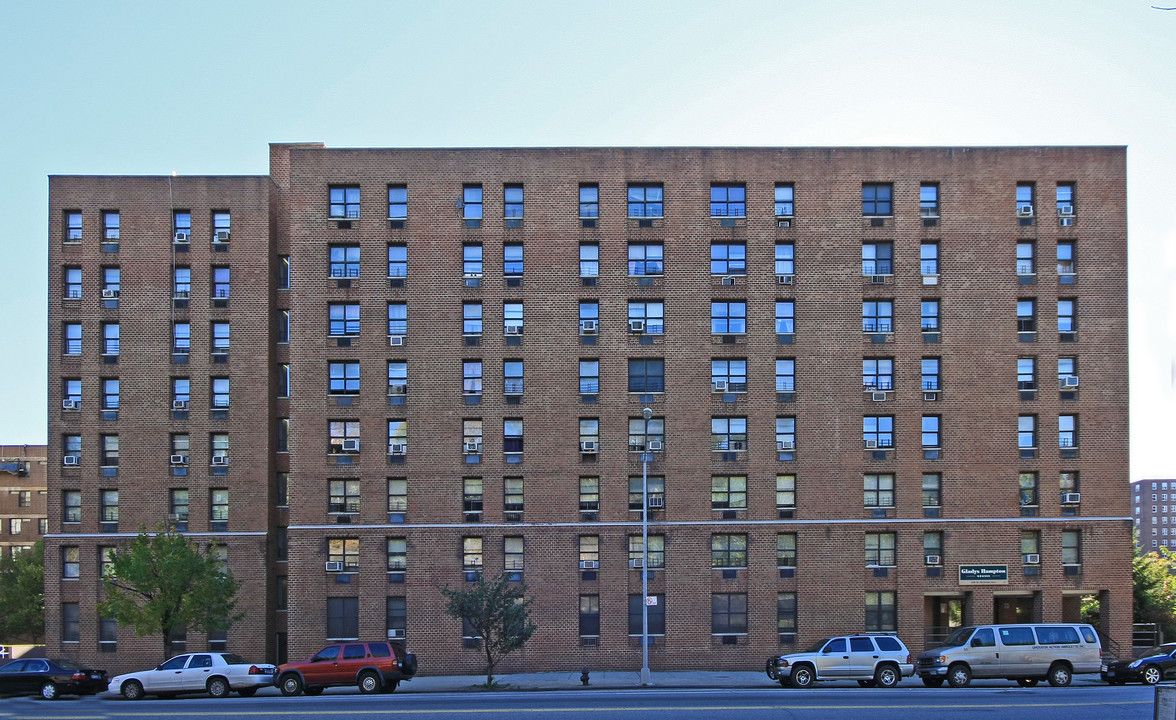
<point>942,659</point>
<point>1135,664</point>
<point>782,662</point>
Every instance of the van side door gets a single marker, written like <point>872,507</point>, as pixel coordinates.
<point>833,660</point>
<point>983,654</point>
<point>1018,658</point>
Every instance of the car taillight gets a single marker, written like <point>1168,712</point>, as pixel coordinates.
<point>908,658</point>
<point>254,670</point>
<point>79,676</point>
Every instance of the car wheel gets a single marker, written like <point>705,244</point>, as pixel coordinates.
<point>49,691</point>
<point>1152,675</point>
<point>247,692</point>
<point>290,684</point>
<point>1027,682</point>
<point>132,690</point>
<point>887,676</point>
<point>313,691</point>
<point>1059,674</point>
<point>959,675</point>
<point>391,686</point>
<point>369,683</point>
<point>802,676</point>
<point>933,681</point>
<point>865,683</point>
<point>218,687</point>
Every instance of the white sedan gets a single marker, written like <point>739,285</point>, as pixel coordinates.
<point>214,673</point>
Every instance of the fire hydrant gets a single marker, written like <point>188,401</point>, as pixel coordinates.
<point>584,675</point>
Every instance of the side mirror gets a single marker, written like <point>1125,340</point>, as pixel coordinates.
<point>975,642</point>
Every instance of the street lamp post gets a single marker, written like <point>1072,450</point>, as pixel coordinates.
<point>646,413</point>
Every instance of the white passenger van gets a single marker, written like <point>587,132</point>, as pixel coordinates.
<point>1024,653</point>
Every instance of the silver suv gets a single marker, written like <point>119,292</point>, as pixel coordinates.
<point>872,660</point>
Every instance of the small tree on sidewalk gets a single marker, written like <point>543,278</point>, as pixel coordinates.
<point>497,610</point>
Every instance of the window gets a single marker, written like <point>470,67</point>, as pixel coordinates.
<point>471,313</point>
<point>512,201</point>
<point>655,487</point>
<point>218,505</point>
<point>471,261</point>
<point>785,194</point>
<point>1066,200</point>
<point>1025,199</point>
<point>471,202</point>
<point>178,505</point>
<point>397,261</point>
<point>1026,263</point>
<point>343,437</point>
<point>181,391</point>
<point>1030,542</point>
<point>728,317</point>
<point>512,495</point>
<point>877,258</point>
<point>342,618</point>
<point>220,282</point>
<point>344,261</point>
<point>589,260</point>
<point>655,615</point>
<point>646,259</point>
<point>589,615</point>
<point>786,615</point>
<point>71,622</point>
<point>220,392</point>
<point>397,202</point>
<point>728,551</point>
<point>71,562</point>
<point>589,377</point>
<point>1067,431</point>
<point>785,434</point>
<point>645,201</point>
<point>931,431</point>
<point>589,201</point>
<point>397,377</point>
<point>109,450</point>
<point>471,373</point>
<point>729,492</point>
<point>1071,547</point>
<point>728,434</point>
<point>283,272</point>
<point>282,436</point>
<point>110,226</point>
<point>929,200</point>
<point>933,547</point>
<point>929,258</point>
<point>343,496</point>
<point>1065,257</point>
<point>930,373</point>
<point>880,549</point>
<point>878,316</point>
<point>878,490</point>
<point>878,431</point>
<point>397,495</point>
<point>344,550</point>
<point>181,338</point>
<point>181,283</point>
<point>71,449</point>
<point>929,316</point>
<point>343,378</point>
<point>71,506</point>
<point>71,393</point>
<point>1026,373</point>
<point>729,376</point>
<point>647,375</point>
<point>729,614</point>
<point>647,317</point>
<point>881,611</point>
<point>876,198</point>
<point>106,556</point>
<point>512,377</point>
<point>344,201</point>
<point>785,375</point>
<point>219,444</point>
<point>220,337</point>
<point>657,550</point>
<point>512,437</point>
<point>397,319</point>
<point>1027,431</point>
<point>512,260</point>
<point>1067,315</point>
<point>877,374</point>
<point>471,554</point>
<point>108,506</point>
<point>786,549</point>
<point>1026,316</point>
<point>728,259</point>
<point>397,437</point>
<point>932,490</point>
<point>283,326</point>
<point>728,201</point>
<point>590,494</point>
<point>785,492</point>
<point>1067,371</point>
<point>111,282</point>
<point>512,318</point>
<point>110,342</point>
<point>71,278</point>
<point>643,431</point>
<point>73,226</point>
<point>1027,482</point>
<point>513,554</point>
<point>785,259</point>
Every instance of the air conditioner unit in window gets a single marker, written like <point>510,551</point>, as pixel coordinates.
<point>635,563</point>
<point>588,327</point>
<point>179,404</point>
<point>109,294</point>
<point>930,396</point>
<point>179,459</point>
<point>786,445</point>
<point>877,279</point>
<point>654,446</point>
<point>1025,210</point>
<point>70,404</point>
<point>350,446</point>
<point>636,326</point>
<point>220,460</point>
<point>785,279</point>
<point>395,634</point>
<point>397,389</point>
<point>1069,382</point>
<point>221,236</point>
<point>1032,559</point>
<point>182,237</point>
<point>176,517</point>
<point>1065,210</point>
<point>931,559</point>
<point>397,449</point>
<point>1071,498</point>
<point>588,446</point>
<point>656,501</point>
<point>871,444</point>
<point>877,396</point>
<point>334,566</point>
<point>472,448</point>
<point>589,564</point>
<point>737,445</point>
<point>729,280</point>
<point>719,386</point>
<point>395,340</point>
<point>71,460</point>
<point>513,329</point>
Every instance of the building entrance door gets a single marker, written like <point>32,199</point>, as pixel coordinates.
<point>1013,609</point>
<point>941,616</point>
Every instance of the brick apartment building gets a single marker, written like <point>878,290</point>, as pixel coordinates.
<point>1153,507</point>
<point>376,372</point>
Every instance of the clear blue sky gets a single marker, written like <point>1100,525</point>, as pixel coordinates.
<point>202,87</point>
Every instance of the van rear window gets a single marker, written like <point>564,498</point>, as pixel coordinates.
<point>888,644</point>
<point>379,649</point>
<point>1017,636</point>
<point>1088,634</point>
<point>1057,635</point>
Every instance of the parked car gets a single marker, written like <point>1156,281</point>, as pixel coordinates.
<point>49,678</point>
<point>1024,653</point>
<point>1149,667</point>
<point>214,673</point>
<point>871,659</point>
<point>372,666</point>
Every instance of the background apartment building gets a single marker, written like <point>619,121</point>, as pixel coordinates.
<point>377,372</point>
<point>1153,507</point>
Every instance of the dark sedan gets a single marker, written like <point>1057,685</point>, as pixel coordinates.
<point>49,678</point>
<point>1150,667</point>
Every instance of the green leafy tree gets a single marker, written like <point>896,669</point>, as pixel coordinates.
<point>164,580</point>
<point>22,596</point>
<point>1154,582</point>
<point>498,611</point>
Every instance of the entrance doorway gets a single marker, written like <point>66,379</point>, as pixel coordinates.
<point>1013,609</point>
<point>941,616</point>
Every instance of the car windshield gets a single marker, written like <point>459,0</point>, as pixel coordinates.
<point>959,637</point>
<point>231,659</point>
<point>1167,649</point>
<point>816,647</point>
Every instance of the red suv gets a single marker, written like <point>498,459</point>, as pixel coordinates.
<point>372,666</point>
